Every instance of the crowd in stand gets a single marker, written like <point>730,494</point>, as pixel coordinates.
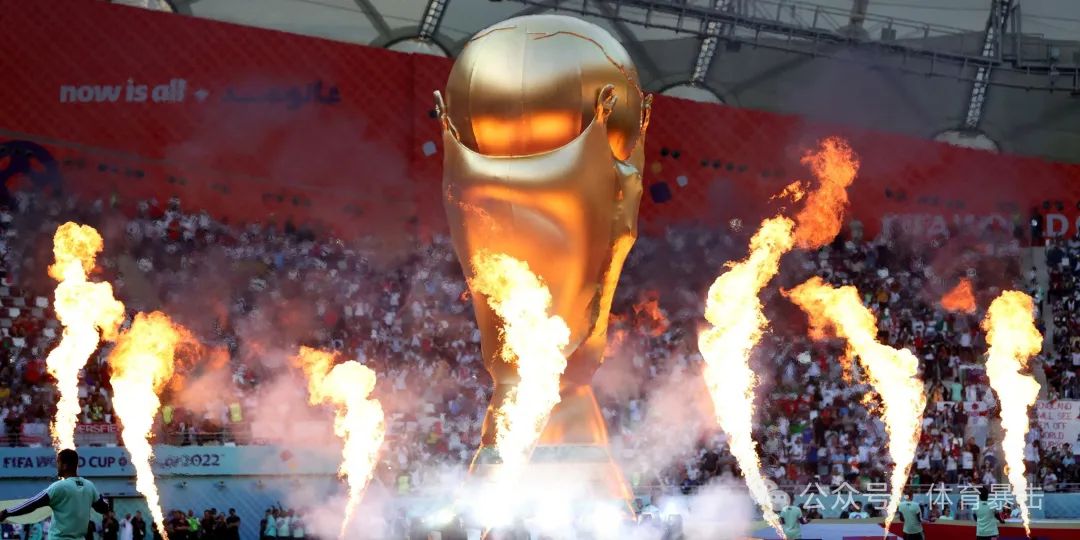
<point>402,307</point>
<point>1063,266</point>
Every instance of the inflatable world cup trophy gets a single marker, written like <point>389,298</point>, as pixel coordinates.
<point>543,130</point>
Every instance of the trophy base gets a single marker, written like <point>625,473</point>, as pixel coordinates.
<point>576,420</point>
<point>572,455</point>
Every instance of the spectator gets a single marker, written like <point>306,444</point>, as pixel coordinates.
<point>283,522</point>
<point>177,526</point>
<point>269,527</point>
<point>138,526</point>
<point>125,527</point>
<point>232,524</point>
<point>409,317</point>
<point>110,527</point>
<point>192,524</point>
<point>298,527</point>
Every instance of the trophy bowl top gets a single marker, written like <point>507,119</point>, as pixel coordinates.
<point>530,84</point>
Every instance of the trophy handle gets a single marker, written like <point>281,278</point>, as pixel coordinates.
<point>605,102</point>
<point>444,117</point>
<point>646,114</point>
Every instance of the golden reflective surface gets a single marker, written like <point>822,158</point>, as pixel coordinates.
<point>544,127</point>
<point>529,85</point>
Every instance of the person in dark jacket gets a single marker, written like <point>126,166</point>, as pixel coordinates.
<point>110,527</point>
<point>138,526</point>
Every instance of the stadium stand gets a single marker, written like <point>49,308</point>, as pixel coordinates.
<point>813,427</point>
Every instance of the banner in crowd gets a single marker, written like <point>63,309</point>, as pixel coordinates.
<point>97,429</point>
<point>226,118</point>
<point>175,461</point>
<point>85,434</point>
<point>1059,423</point>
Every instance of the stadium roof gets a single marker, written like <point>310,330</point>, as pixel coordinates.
<point>973,58</point>
<point>449,22</point>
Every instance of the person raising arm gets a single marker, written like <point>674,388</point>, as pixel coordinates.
<point>71,498</point>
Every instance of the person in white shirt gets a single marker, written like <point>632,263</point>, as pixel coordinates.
<point>1050,481</point>
<point>950,469</point>
<point>922,462</point>
<point>298,527</point>
<point>283,521</point>
<point>967,461</point>
<point>126,530</point>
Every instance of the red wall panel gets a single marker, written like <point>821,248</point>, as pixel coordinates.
<point>241,129</point>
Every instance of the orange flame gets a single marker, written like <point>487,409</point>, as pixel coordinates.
<point>737,321</point>
<point>793,191</point>
<point>84,308</point>
<point>649,315</point>
<point>736,315</point>
<point>358,419</point>
<point>892,372</point>
<point>1013,339</point>
<point>140,365</point>
<point>835,166</point>
<point>960,298</point>
<point>533,341</point>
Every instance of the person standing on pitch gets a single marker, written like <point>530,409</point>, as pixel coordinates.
<point>911,515</point>
<point>283,522</point>
<point>126,532</point>
<point>232,525</point>
<point>71,498</point>
<point>986,519</point>
<point>270,530</point>
<point>37,532</point>
<point>138,526</point>
<point>298,526</point>
<point>791,517</point>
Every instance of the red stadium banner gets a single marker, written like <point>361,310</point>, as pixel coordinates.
<point>97,429</point>
<point>97,434</point>
<point>255,124</point>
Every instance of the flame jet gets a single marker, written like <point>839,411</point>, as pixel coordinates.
<point>892,372</point>
<point>533,342</point>
<point>140,365</point>
<point>358,418</point>
<point>735,312</point>
<point>1013,339</point>
<point>737,321</point>
<point>84,308</point>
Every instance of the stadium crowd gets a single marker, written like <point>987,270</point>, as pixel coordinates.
<point>1063,266</point>
<point>403,309</point>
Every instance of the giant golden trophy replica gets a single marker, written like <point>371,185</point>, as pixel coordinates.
<point>543,129</point>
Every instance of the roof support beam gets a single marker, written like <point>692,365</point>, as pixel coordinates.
<point>182,7</point>
<point>433,14</point>
<point>707,50</point>
<point>760,26</point>
<point>1000,11</point>
<point>629,40</point>
<point>376,19</point>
